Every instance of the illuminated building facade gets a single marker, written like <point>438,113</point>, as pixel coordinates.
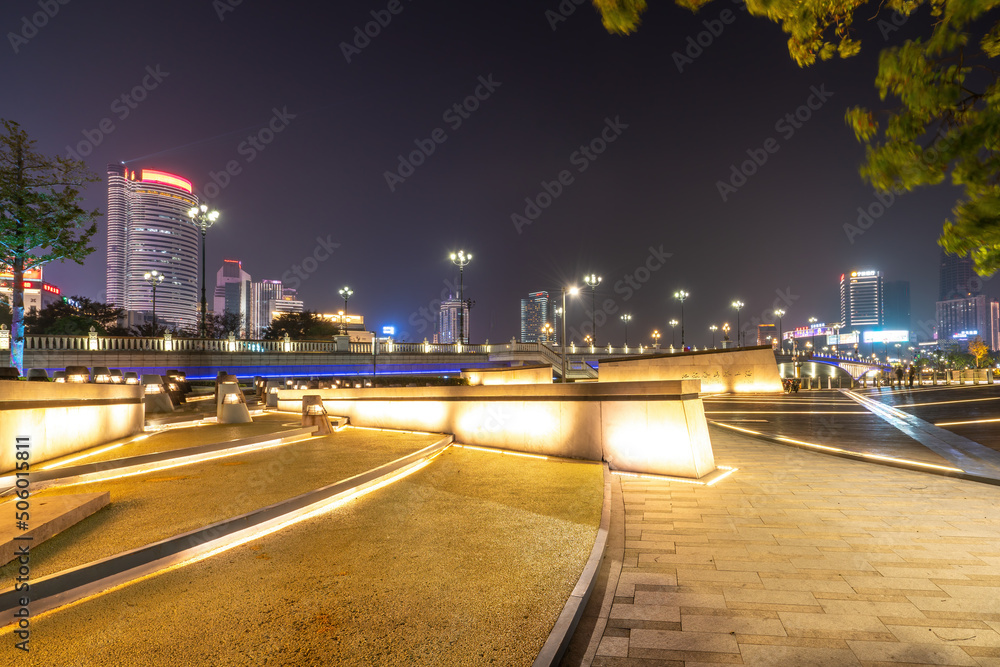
<point>962,320</point>
<point>448,321</point>
<point>231,273</point>
<point>37,293</point>
<point>534,315</point>
<point>861,300</point>
<point>148,229</point>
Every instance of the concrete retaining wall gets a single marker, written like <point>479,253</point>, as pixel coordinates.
<point>65,418</point>
<point>649,427</point>
<point>749,369</point>
<point>513,375</point>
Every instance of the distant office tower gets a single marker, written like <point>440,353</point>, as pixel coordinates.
<point>861,299</point>
<point>448,321</point>
<point>767,334</point>
<point>148,229</point>
<point>231,272</point>
<point>957,278</point>
<point>897,304</point>
<point>961,320</point>
<point>534,316</point>
<point>263,296</point>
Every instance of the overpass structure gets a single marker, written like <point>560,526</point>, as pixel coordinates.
<point>204,358</point>
<point>855,367</point>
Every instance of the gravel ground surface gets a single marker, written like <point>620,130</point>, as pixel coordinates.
<point>179,438</point>
<point>466,562</point>
<point>153,506</point>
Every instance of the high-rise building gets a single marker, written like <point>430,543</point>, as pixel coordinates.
<point>957,279</point>
<point>149,229</point>
<point>897,304</point>
<point>231,272</point>
<point>534,316</point>
<point>448,320</point>
<point>861,300</point>
<point>263,296</point>
<point>962,320</point>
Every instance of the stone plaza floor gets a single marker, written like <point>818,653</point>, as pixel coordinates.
<point>798,558</point>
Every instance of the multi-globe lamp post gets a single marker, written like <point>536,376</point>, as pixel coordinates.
<point>153,278</point>
<point>681,295</point>
<point>713,329</point>
<point>656,338</point>
<point>739,332</point>
<point>562,340</point>
<point>781,341</point>
<point>345,294</point>
<point>673,339</point>
<point>626,318</point>
<point>547,332</point>
<point>203,218</point>
<point>593,280</point>
<point>461,259</point>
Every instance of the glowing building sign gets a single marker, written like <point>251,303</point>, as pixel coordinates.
<point>887,336</point>
<point>163,178</point>
<point>388,331</point>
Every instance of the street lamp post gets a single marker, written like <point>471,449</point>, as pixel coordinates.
<point>593,280</point>
<point>203,219</point>
<point>547,332</point>
<point>681,295</point>
<point>781,341</point>
<point>673,339</point>
<point>725,333</point>
<point>345,293</point>
<point>713,329</point>
<point>461,260</point>
<point>626,318</point>
<point>154,278</point>
<point>574,291</point>
<point>739,332</point>
<point>656,338</point>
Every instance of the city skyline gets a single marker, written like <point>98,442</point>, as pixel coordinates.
<point>552,144</point>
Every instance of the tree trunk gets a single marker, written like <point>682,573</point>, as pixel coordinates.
<point>17,316</point>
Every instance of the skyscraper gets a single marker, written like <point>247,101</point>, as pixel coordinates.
<point>896,311</point>
<point>148,229</point>
<point>231,272</point>
<point>448,320</point>
<point>861,300</point>
<point>957,278</point>
<point>961,320</point>
<point>534,315</point>
<point>263,297</point>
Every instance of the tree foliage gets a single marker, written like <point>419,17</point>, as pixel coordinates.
<point>74,317</point>
<point>300,326</point>
<point>943,121</point>
<point>41,219</point>
<point>979,350</point>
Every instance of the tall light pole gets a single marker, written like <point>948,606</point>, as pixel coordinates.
<point>593,280</point>
<point>656,338</point>
<point>673,339</point>
<point>781,341</point>
<point>574,291</point>
<point>739,332</point>
<point>345,293</point>
<point>681,295</point>
<point>461,260</point>
<point>203,219</point>
<point>713,329</point>
<point>626,318</point>
<point>154,278</point>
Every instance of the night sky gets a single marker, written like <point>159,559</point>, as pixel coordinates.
<point>646,213</point>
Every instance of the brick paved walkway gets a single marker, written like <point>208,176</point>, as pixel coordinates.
<point>797,559</point>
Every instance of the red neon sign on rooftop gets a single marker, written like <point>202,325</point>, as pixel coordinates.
<point>162,177</point>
